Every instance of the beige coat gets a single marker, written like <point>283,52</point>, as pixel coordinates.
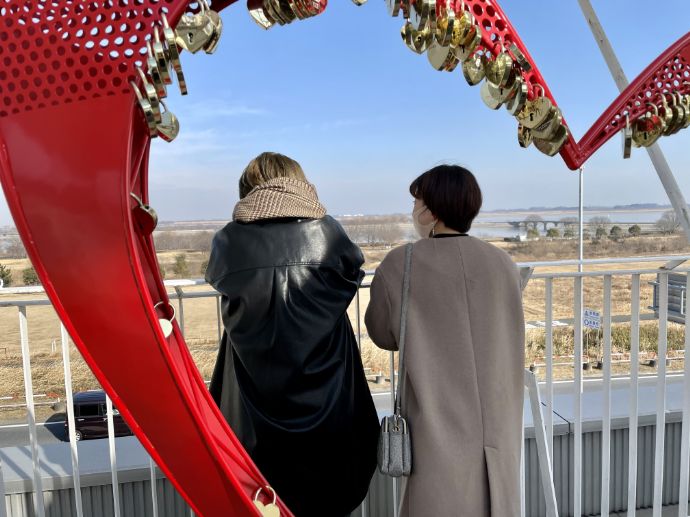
<point>463,390</point>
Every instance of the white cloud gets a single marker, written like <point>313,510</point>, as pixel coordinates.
<point>202,111</point>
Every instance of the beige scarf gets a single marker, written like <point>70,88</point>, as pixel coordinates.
<point>279,197</point>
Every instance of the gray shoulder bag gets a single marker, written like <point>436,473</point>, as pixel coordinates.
<point>395,449</point>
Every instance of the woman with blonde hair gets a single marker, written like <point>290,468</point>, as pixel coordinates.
<point>289,378</point>
<point>463,354</point>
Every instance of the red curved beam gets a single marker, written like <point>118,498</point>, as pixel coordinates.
<point>498,29</point>
<point>669,72</point>
<point>72,148</point>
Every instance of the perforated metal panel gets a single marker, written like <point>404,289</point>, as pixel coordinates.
<point>55,52</point>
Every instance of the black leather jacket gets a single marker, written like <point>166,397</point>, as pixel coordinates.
<point>289,378</point>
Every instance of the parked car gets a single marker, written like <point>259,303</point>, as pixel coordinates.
<point>90,418</point>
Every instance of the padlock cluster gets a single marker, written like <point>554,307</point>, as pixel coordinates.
<point>267,13</point>
<point>451,37</point>
<point>194,32</point>
<point>666,117</point>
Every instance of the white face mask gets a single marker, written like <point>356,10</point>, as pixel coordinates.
<point>423,230</point>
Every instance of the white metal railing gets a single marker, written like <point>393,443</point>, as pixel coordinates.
<point>670,264</point>
<point>557,272</point>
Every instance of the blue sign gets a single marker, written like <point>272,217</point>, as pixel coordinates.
<point>591,319</point>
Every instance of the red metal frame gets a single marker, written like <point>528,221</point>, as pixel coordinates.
<point>73,145</point>
<point>498,31</point>
<point>669,72</point>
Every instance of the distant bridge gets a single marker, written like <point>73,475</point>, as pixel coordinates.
<point>545,224</point>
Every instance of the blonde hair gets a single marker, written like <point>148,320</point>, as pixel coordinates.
<point>269,166</point>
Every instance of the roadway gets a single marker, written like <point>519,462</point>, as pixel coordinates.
<point>16,435</point>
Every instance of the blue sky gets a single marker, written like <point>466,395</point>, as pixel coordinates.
<point>364,115</point>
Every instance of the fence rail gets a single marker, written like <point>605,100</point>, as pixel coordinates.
<point>546,275</point>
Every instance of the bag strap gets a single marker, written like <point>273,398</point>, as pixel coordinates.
<point>403,326</point>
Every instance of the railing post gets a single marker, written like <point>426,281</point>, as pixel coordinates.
<point>392,377</point>
<point>66,363</point>
<point>542,449</point>
<point>364,505</point>
<point>113,456</point>
<point>219,319</point>
<point>606,417</point>
<point>634,381</point>
<point>3,504</point>
<point>359,325</point>
<point>548,287</point>
<point>577,389</point>
<point>660,396</point>
<point>154,487</point>
<point>523,487</point>
<point>39,506</point>
<point>180,304</point>
<point>685,433</point>
<point>392,385</point>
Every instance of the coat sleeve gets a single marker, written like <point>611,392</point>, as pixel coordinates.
<point>378,316</point>
<point>351,257</point>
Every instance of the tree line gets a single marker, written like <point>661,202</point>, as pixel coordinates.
<point>599,227</point>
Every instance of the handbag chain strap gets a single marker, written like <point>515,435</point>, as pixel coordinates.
<point>403,327</point>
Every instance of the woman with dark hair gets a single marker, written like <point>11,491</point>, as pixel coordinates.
<point>289,378</point>
<point>462,393</point>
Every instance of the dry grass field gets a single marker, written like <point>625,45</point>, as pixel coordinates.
<point>201,327</point>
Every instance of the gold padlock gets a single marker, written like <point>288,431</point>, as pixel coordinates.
<point>173,54</point>
<point>161,56</point>
<point>151,95</point>
<point>445,25</point>
<point>465,27</point>
<point>488,99</point>
<point>524,136</point>
<point>685,100</point>
<point>553,146</point>
<point>682,112</point>
<point>677,117</point>
<point>517,103</point>
<point>499,70</point>
<point>470,46</point>
<point>417,41</point>
<point>520,58</point>
<point>154,73</point>
<point>536,111</point>
<point>169,127</point>
<point>195,32</point>
<point>502,94</point>
<point>145,106</point>
<point>668,117</point>
<point>442,58</point>
<point>548,128</point>
<point>473,69</point>
<point>423,14</point>
<point>648,128</point>
<point>261,17</point>
<point>267,510</point>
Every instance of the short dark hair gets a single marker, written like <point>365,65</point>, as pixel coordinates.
<point>451,193</point>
